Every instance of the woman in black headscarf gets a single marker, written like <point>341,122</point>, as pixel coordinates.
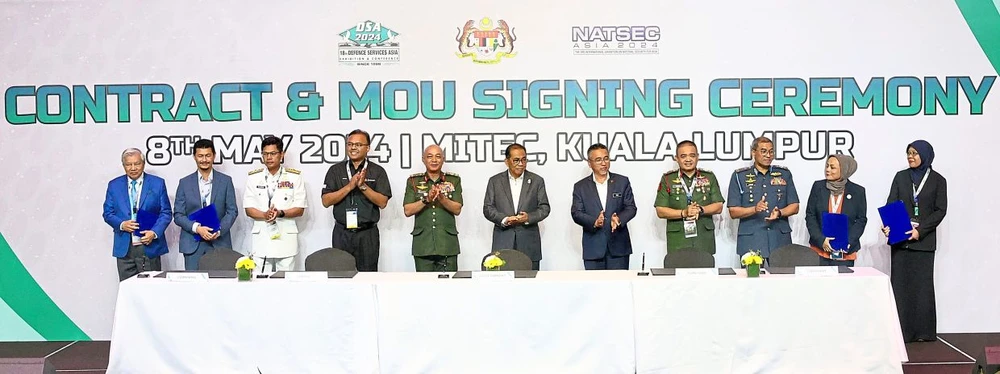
<point>925,194</point>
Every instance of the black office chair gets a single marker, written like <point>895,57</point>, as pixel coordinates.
<point>331,259</point>
<point>514,260</point>
<point>688,258</point>
<point>219,259</point>
<point>793,255</point>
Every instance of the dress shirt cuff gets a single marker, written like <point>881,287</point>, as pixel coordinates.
<point>194,227</point>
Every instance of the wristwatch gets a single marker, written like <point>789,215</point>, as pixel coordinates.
<point>363,187</point>
<point>701,210</point>
<point>281,213</point>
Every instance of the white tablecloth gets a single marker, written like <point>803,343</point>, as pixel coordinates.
<point>560,322</point>
<point>773,324</point>
<point>222,326</point>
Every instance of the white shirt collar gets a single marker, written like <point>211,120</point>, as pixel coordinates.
<point>512,179</point>
<point>594,177</point>
<point>211,175</point>
<point>137,180</point>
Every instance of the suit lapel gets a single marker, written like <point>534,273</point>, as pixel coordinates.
<point>217,194</point>
<point>123,197</point>
<point>146,188</point>
<point>525,184</point>
<point>505,189</point>
<point>611,192</point>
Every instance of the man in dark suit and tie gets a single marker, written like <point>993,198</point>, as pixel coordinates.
<point>603,204</point>
<point>516,202</point>
<point>200,189</point>
<point>127,195</point>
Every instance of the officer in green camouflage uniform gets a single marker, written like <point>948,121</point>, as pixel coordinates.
<point>435,198</point>
<point>688,198</point>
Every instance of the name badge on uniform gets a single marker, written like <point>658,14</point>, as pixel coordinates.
<point>352,218</point>
<point>690,228</point>
<point>272,231</point>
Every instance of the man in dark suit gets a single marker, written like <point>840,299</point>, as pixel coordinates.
<point>127,195</point>
<point>516,202</point>
<point>603,204</point>
<point>198,190</point>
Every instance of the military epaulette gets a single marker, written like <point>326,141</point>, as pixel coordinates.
<point>740,170</point>
<point>779,167</point>
<point>448,173</point>
<point>255,171</point>
<point>293,171</point>
<point>416,175</point>
<point>705,171</point>
<point>671,172</point>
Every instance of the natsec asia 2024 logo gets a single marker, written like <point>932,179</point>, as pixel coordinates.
<point>616,40</point>
<point>369,43</point>
<point>486,42</point>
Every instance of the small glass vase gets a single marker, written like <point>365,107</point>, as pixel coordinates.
<point>243,275</point>
<point>753,271</point>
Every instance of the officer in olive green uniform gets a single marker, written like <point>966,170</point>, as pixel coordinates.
<point>678,191</point>
<point>435,238</point>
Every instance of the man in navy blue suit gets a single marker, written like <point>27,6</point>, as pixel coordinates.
<point>127,195</point>
<point>603,204</point>
<point>200,189</point>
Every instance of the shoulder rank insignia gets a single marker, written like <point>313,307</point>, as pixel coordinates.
<point>416,175</point>
<point>448,173</point>
<point>740,170</point>
<point>705,170</point>
<point>255,171</point>
<point>293,171</point>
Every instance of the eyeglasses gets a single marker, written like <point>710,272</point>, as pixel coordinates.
<point>913,154</point>
<point>766,152</point>
<point>517,161</point>
<point>270,154</point>
<point>356,145</point>
<point>601,160</point>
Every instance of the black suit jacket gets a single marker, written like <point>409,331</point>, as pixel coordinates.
<point>587,206</point>
<point>933,207</point>
<point>855,207</point>
<point>499,203</point>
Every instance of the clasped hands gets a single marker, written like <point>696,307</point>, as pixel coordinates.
<point>615,222</point>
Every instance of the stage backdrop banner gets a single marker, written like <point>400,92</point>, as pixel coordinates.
<point>84,80</point>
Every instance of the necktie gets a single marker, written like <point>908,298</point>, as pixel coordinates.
<point>133,198</point>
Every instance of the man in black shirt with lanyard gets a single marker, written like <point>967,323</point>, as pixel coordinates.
<point>357,189</point>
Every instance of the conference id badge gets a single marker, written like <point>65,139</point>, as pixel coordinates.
<point>272,231</point>
<point>352,218</point>
<point>690,229</point>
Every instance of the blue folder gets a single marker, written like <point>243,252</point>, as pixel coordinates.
<point>206,217</point>
<point>835,225</point>
<point>146,221</point>
<point>895,217</point>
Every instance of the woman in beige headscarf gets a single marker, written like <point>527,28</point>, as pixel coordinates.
<point>837,194</point>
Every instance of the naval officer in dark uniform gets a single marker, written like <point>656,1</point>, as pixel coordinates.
<point>357,189</point>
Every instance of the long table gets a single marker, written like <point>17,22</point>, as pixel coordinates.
<point>560,321</point>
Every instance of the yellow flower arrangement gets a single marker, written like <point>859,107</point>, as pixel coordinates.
<point>752,258</point>
<point>493,261</point>
<point>245,263</point>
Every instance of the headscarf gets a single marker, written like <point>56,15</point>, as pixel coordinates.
<point>847,168</point>
<point>926,158</point>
